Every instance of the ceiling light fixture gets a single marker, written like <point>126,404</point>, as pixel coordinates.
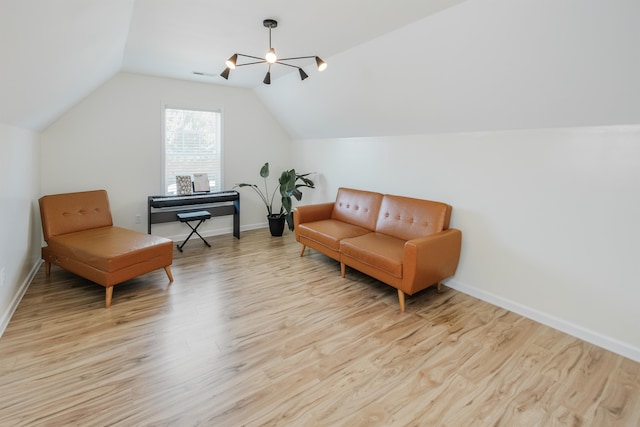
<point>270,58</point>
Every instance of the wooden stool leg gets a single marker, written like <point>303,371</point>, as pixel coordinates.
<point>168,270</point>
<point>109,295</point>
<point>401,298</point>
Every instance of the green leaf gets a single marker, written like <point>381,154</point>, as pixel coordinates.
<point>289,218</point>
<point>307,181</point>
<point>296,193</point>
<point>286,203</point>
<point>264,171</point>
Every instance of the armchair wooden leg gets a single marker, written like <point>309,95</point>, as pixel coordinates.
<point>167,269</point>
<point>343,269</point>
<point>439,287</point>
<point>302,251</point>
<point>401,299</point>
<point>108,296</point>
<point>47,268</point>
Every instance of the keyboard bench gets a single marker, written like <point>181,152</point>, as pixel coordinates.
<point>187,217</point>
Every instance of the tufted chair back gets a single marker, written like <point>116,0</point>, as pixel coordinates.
<point>70,212</point>
<point>357,207</point>
<point>407,218</point>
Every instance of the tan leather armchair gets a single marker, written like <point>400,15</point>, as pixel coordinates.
<point>81,238</point>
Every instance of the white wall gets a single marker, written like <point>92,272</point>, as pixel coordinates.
<point>550,218</point>
<point>19,217</point>
<point>113,140</point>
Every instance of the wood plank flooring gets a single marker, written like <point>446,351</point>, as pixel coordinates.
<point>250,334</point>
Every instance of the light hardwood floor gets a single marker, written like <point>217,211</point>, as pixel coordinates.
<point>250,334</point>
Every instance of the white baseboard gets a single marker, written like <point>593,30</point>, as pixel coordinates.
<point>13,306</point>
<point>592,337</point>
<point>254,226</point>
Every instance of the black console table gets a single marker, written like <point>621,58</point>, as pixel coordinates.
<point>221,203</point>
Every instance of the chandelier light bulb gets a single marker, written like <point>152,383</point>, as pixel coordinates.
<point>321,64</point>
<point>231,62</point>
<point>271,56</point>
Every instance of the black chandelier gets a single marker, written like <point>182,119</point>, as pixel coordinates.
<point>270,58</point>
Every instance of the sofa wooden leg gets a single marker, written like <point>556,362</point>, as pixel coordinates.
<point>302,251</point>
<point>401,299</point>
<point>439,287</point>
<point>169,275</point>
<point>109,295</point>
<point>47,268</point>
<point>343,269</point>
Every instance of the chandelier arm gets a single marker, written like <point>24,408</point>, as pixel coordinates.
<point>252,63</point>
<point>250,56</point>
<point>288,65</point>
<point>297,57</point>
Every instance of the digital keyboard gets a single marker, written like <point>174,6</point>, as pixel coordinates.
<point>166,207</point>
<point>192,199</point>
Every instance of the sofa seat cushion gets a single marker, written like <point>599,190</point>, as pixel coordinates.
<point>329,232</point>
<point>376,250</point>
<point>110,248</point>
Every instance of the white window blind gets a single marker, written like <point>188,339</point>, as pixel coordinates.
<point>192,145</point>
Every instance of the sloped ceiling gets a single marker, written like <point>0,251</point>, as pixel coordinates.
<point>482,65</point>
<point>402,67</point>
<point>54,53</point>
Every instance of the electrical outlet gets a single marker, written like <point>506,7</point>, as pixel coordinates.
<point>137,218</point>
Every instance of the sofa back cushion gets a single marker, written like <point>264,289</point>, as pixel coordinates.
<point>407,218</point>
<point>71,212</point>
<point>357,207</point>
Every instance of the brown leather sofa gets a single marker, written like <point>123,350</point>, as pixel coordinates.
<point>401,241</point>
<point>81,238</point>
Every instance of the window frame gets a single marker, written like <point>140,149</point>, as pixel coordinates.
<point>163,150</point>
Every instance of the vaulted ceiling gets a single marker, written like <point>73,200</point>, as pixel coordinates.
<point>55,53</point>
<point>395,67</point>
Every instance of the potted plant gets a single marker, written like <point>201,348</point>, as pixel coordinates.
<point>288,186</point>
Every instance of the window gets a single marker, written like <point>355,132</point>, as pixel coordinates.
<point>191,146</point>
